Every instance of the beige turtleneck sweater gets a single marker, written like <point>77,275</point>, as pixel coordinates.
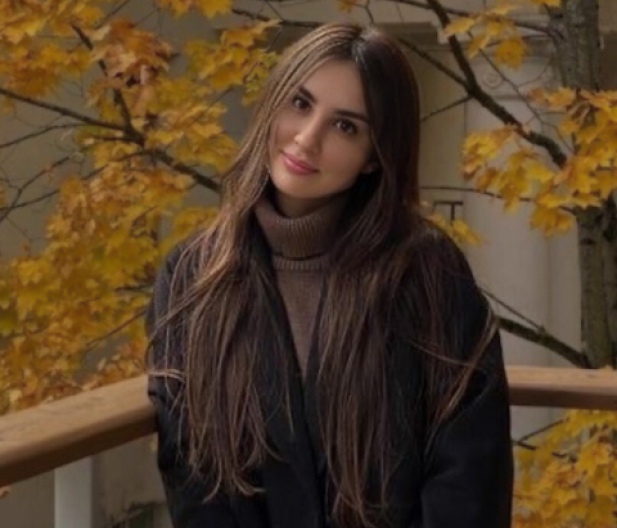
<point>299,257</point>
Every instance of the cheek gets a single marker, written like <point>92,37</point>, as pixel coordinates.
<point>348,158</point>
<point>283,129</point>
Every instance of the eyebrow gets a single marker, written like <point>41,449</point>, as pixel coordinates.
<point>339,111</point>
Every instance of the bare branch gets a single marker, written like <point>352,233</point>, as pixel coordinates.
<point>467,190</point>
<point>454,104</point>
<point>38,133</point>
<point>113,12</point>
<point>510,83</point>
<point>513,310</point>
<point>463,13</point>
<point>436,63</point>
<point>546,340</point>
<point>6,211</point>
<point>61,110</point>
<point>367,8</point>
<point>93,343</point>
<point>264,18</point>
<point>537,334</point>
<point>537,432</point>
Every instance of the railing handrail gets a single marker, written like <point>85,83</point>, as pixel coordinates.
<point>53,434</point>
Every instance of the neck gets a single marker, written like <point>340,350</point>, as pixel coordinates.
<point>297,207</point>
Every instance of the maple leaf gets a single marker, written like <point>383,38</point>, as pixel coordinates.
<point>211,8</point>
<point>460,25</point>
<point>511,51</point>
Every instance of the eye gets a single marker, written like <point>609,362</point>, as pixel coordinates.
<point>347,127</point>
<point>300,102</point>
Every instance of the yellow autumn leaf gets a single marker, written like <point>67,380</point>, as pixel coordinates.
<point>551,201</point>
<point>551,220</point>
<point>458,230</point>
<point>465,233</point>
<point>211,8</point>
<point>605,182</point>
<point>488,178</point>
<point>502,9</point>
<point>178,7</point>
<point>539,172</point>
<point>511,52</point>
<point>559,99</point>
<point>242,36</point>
<point>460,25</point>
<point>586,200</point>
<point>477,44</point>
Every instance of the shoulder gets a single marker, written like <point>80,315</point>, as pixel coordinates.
<point>181,262</point>
<point>429,252</point>
<point>174,276</point>
<point>440,284</point>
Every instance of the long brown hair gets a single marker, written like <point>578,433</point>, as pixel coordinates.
<point>385,243</point>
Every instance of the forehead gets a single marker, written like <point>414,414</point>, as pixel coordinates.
<point>337,85</point>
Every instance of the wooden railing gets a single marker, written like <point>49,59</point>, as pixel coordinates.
<point>54,434</point>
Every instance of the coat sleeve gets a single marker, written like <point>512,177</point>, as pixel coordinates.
<point>185,493</point>
<point>469,466</point>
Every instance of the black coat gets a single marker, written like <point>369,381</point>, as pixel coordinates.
<point>463,479</point>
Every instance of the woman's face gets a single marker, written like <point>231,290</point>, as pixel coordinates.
<point>320,139</point>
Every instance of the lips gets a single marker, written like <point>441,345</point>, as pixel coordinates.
<point>296,165</point>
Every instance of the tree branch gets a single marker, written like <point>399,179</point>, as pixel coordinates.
<point>548,427</point>
<point>7,210</point>
<point>114,11</point>
<point>475,90</point>
<point>94,342</point>
<point>545,340</point>
<point>130,133</point>
<point>510,83</point>
<point>536,333</point>
<point>118,98</point>
<point>463,13</point>
<point>453,104</point>
<point>264,18</point>
<point>467,190</point>
<point>186,169</point>
<point>36,134</point>
<point>61,110</point>
<point>436,63</point>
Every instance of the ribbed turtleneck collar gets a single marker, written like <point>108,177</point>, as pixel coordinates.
<point>300,238</point>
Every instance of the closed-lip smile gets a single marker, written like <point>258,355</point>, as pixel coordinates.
<point>298,163</point>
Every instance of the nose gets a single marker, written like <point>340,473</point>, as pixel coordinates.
<point>308,135</point>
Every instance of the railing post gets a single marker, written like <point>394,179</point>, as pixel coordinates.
<point>76,496</point>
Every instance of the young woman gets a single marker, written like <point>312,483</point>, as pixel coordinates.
<point>321,356</point>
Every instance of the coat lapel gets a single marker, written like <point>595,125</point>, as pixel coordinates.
<point>292,440</point>
<point>310,389</point>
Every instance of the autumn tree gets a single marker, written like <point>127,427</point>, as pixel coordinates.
<point>138,138</point>
<point>148,128</point>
